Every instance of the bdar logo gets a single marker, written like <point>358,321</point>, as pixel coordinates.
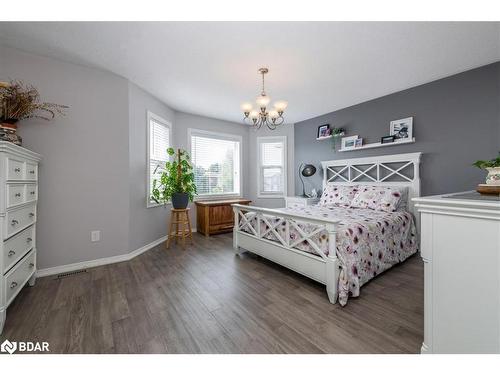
<point>8,347</point>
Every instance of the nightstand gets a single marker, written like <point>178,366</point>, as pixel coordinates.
<point>298,202</point>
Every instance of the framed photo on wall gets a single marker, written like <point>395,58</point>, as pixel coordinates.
<point>348,143</point>
<point>323,131</point>
<point>402,129</point>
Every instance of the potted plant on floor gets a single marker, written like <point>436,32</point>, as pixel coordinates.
<point>493,168</point>
<point>176,183</point>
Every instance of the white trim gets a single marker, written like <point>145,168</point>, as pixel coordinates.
<point>223,136</point>
<point>267,139</point>
<point>152,116</point>
<point>101,261</point>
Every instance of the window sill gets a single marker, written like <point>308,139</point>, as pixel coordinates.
<point>152,205</point>
<point>271,196</point>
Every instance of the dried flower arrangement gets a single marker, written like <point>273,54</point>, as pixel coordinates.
<point>19,101</point>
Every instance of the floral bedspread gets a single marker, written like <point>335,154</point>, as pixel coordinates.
<point>368,241</point>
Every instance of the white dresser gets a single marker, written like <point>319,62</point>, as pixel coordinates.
<point>460,246</point>
<point>299,202</point>
<point>18,199</point>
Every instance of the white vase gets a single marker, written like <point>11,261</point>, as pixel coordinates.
<point>493,177</point>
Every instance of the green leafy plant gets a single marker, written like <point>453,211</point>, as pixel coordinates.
<point>336,133</point>
<point>493,163</point>
<point>178,177</point>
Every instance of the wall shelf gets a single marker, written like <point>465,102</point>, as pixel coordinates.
<point>378,144</point>
<point>323,138</point>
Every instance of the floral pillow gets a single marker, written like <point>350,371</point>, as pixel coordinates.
<point>379,198</point>
<point>338,195</point>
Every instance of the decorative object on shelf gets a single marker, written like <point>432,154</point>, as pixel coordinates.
<point>176,182</point>
<point>270,118</point>
<point>358,142</point>
<point>336,133</point>
<point>493,168</point>
<point>323,131</point>
<point>387,139</point>
<point>306,170</point>
<point>19,101</point>
<point>402,129</point>
<point>314,193</point>
<point>349,143</point>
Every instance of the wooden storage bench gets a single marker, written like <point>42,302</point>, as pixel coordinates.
<point>213,217</point>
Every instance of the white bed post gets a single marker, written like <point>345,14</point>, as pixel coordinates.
<point>235,230</point>
<point>332,267</point>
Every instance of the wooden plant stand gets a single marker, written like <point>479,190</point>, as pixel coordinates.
<point>180,226</point>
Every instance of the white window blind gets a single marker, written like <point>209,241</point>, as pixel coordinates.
<point>272,166</point>
<point>216,161</point>
<point>159,142</point>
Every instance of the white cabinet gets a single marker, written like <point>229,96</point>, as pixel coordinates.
<point>18,200</point>
<point>299,202</point>
<point>460,246</point>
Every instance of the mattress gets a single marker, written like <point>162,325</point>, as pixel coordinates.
<point>368,241</point>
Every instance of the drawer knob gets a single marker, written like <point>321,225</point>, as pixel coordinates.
<point>18,194</point>
<point>13,285</point>
<point>14,222</point>
<point>32,192</point>
<point>31,214</point>
<point>29,239</point>
<point>32,172</point>
<point>32,265</point>
<point>11,253</point>
<point>17,169</point>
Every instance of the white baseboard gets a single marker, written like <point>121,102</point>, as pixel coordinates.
<point>101,261</point>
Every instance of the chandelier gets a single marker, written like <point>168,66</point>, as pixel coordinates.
<point>263,116</point>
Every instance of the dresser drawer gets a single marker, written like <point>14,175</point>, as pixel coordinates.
<point>31,171</point>
<point>15,194</point>
<point>15,169</point>
<point>18,219</point>
<point>17,246</point>
<point>19,275</point>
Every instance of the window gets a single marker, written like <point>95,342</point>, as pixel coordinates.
<point>271,180</point>
<point>159,134</point>
<point>216,161</point>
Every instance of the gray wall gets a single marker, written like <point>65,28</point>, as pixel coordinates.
<point>286,130</point>
<point>145,224</point>
<point>455,122</point>
<point>84,171</point>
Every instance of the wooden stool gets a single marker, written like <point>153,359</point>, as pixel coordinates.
<point>179,220</point>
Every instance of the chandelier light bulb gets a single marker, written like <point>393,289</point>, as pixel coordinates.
<point>263,101</point>
<point>280,105</point>
<point>254,115</point>
<point>246,107</point>
<point>273,115</point>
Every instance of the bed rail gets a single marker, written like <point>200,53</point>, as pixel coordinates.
<point>245,215</point>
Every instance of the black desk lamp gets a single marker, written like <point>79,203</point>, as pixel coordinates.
<point>306,170</point>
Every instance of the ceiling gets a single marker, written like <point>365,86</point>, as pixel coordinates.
<point>210,68</point>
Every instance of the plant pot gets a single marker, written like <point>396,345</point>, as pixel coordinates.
<point>493,177</point>
<point>180,200</point>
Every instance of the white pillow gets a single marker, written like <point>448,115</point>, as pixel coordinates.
<point>379,198</point>
<point>338,195</point>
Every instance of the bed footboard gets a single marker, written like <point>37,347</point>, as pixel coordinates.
<point>248,236</point>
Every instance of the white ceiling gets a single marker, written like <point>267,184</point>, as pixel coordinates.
<point>210,68</point>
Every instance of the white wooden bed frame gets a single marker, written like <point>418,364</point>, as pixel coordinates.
<point>388,170</point>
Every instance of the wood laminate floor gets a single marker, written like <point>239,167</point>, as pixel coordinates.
<point>207,300</point>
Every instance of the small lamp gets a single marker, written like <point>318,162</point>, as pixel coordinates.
<point>306,170</point>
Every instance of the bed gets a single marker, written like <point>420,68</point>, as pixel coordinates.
<point>339,246</point>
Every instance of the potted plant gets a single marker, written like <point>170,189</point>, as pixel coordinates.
<point>336,133</point>
<point>493,168</point>
<point>19,101</point>
<point>176,182</point>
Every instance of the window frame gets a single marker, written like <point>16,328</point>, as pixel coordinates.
<point>260,167</point>
<point>152,116</point>
<point>222,136</point>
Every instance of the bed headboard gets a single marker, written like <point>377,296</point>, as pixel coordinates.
<point>386,170</point>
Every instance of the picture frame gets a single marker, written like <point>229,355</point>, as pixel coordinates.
<point>402,129</point>
<point>387,139</point>
<point>349,143</point>
<point>358,142</point>
<point>323,131</point>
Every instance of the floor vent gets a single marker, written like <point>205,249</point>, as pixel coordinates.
<point>69,274</point>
